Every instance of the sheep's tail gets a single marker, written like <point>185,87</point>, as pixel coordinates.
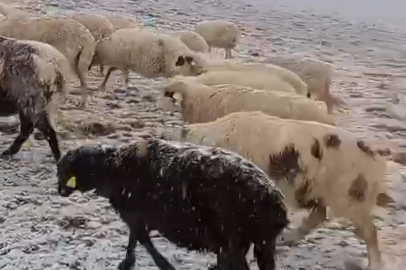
<point>51,107</point>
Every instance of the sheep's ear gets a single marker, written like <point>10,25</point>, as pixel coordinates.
<point>181,61</point>
<point>169,94</point>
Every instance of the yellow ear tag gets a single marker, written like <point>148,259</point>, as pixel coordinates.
<point>71,182</point>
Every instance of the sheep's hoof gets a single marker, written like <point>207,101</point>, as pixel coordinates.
<point>126,264</point>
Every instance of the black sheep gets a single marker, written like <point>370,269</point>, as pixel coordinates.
<point>29,79</point>
<point>200,198</point>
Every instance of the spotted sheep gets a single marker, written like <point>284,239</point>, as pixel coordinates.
<point>31,74</point>
<point>315,165</point>
<point>200,103</point>
<point>200,198</point>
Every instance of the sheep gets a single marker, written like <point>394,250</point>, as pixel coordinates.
<point>257,79</point>
<point>68,36</point>
<point>148,54</point>
<point>193,41</point>
<point>200,198</point>
<point>202,103</point>
<point>120,22</point>
<point>316,74</point>
<point>287,75</point>
<point>219,34</point>
<point>315,165</point>
<point>31,77</point>
<point>99,26</point>
<point>10,12</point>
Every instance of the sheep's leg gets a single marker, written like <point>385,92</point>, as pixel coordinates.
<point>101,70</point>
<point>368,232</point>
<point>43,124</point>
<point>103,85</point>
<point>232,257</point>
<point>265,255</point>
<point>26,129</point>
<point>125,78</point>
<point>138,232</point>
<point>317,216</point>
<point>130,259</point>
<point>82,75</point>
<point>158,258</point>
<point>228,53</point>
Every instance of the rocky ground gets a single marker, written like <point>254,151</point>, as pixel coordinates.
<point>40,230</point>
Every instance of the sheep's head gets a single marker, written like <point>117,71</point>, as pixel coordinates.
<point>82,169</point>
<point>191,64</point>
<point>177,84</point>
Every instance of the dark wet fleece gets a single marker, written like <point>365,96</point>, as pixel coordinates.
<point>198,197</point>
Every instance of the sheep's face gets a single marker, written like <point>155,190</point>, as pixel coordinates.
<point>81,169</point>
<point>285,165</point>
<point>190,65</point>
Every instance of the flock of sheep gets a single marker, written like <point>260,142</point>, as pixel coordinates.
<point>257,137</point>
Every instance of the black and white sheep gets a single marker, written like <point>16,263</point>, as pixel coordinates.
<point>315,165</point>
<point>202,103</point>
<point>31,77</point>
<point>148,54</point>
<point>68,36</point>
<point>200,198</point>
<point>219,34</point>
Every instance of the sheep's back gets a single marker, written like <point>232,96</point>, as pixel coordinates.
<point>66,35</point>
<point>221,190</point>
<point>193,41</point>
<point>98,25</point>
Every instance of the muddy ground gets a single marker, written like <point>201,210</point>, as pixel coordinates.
<point>40,230</point>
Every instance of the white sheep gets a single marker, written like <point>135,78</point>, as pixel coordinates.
<point>68,36</point>
<point>316,74</point>
<point>31,76</point>
<point>257,79</point>
<point>287,75</point>
<point>315,165</point>
<point>202,103</point>
<point>219,34</point>
<point>148,54</point>
<point>120,21</point>
<point>193,41</point>
<point>11,12</point>
<point>99,26</point>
